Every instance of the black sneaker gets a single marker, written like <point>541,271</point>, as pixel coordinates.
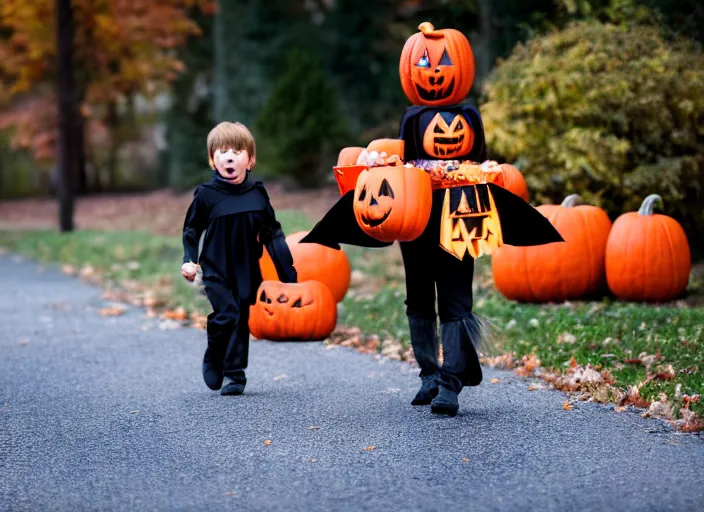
<point>428,390</point>
<point>445,402</point>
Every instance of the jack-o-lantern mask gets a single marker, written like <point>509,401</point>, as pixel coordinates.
<point>293,311</point>
<point>448,135</point>
<point>436,66</point>
<point>469,222</point>
<point>393,203</point>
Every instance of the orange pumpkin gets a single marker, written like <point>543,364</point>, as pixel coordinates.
<point>647,256</point>
<point>559,271</point>
<point>389,146</point>
<point>292,311</point>
<point>393,203</point>
<point>436,66</point>
<point>349,155</point>
<point>514,181</point>
<point>313,262</point>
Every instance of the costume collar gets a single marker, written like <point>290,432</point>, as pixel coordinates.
<point>220,183</point>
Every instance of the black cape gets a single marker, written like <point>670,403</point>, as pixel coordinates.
<point>521,224</point>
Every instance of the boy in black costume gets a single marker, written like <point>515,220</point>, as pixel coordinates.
<point>238,221</point>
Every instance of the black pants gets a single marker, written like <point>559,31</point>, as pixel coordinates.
<point>228,330</point>
<point>432,272</point>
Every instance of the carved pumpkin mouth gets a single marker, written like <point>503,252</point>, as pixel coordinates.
<point>436,93</point>
<point>372,223</point>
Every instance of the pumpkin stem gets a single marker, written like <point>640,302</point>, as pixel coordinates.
<point>649,203</point>
<point>426,27</point>
<point>571,201</point>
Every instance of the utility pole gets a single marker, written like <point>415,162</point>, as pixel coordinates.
<point>67,113</point>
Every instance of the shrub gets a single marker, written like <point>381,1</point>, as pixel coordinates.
<point>612,113</point>
<point>300,127</point>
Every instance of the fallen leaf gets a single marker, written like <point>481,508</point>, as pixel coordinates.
<point>23,342</point>
<point>281,377</point>
<point>112,311</point>
<point>230,493</point>
<point>175,314</point>
<point>495,381</point>
<point>465,459</point>
<point>566,406</point>
<point>134,412</point>
<point>620,408</point>
<point>369,448</point>
<point>267,442</point>
<point>314,428</point>
<point>314,460</point>
<point>535,387</point>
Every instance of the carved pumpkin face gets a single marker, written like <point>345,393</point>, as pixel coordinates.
<point>393,203</point>
<point>469,222</point>
<point>447,136</point>
<point>436,66</point>
<point>293,311</point>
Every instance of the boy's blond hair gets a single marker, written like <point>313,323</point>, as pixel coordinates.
<point>228,135</point>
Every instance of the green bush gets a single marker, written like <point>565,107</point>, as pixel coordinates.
<point>612,113</point>
<point>300,128</point>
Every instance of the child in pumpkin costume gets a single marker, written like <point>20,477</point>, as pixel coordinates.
<point>238,221</point>
<point>437,72</point>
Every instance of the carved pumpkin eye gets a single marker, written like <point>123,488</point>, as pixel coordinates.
<point>363,194</point>
<point>282,299</point>
<point>438,129</point>
<point>264,298</point>
<point>445,60</point>
<point>459,126</point>
<point>386,190</point>
<point>298,303</point>
<point>424,61</point>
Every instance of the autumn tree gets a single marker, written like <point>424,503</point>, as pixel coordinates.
<point>122,48</point>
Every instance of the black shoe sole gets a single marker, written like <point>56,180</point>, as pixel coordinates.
<point>444,409</point>
<point>232,390</point>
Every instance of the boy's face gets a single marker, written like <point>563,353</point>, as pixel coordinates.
<point>232,164</point>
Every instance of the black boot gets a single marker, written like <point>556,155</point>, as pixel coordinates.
<point>445,402</point>
<point>428,390</point>
<point>212,369</point>
<point>237,383</point>
<point>424,340</point>
<point>460,366</point>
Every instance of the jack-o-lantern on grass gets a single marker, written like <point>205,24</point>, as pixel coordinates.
<point>436,66</point>
<point>647,256</point>
<point>393,202</point>
<point>313,262</point>
<point>293,312</point>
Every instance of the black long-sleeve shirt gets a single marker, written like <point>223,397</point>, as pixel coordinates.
<point>238,221</point>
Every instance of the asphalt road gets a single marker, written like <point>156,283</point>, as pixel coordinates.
<point>110,413</point>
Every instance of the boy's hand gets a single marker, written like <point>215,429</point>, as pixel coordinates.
<point>188,270</point>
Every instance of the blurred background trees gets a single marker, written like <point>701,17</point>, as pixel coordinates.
<point>601,97</point>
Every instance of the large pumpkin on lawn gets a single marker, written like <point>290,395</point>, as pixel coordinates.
<point>559,271</point>
<point>515,182</point>
<point>313,262</point>
<point>393,203</point>
<point>436,66</point>
<point>647,256</point>
<point>293,312</point>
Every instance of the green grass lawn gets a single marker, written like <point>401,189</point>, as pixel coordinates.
<point>629,341</point>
